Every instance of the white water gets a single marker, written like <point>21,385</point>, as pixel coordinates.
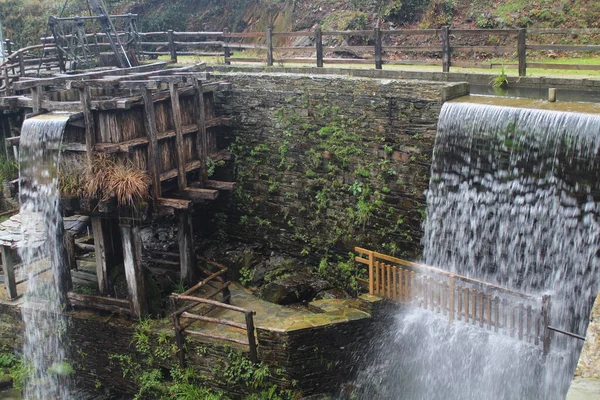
<point>513,200</point>
<point>45,324</point>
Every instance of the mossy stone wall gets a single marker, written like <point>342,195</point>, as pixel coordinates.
<point>325,163</point>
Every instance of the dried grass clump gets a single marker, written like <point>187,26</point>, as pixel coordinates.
<point>129,184</point>
<point>108,178</point>
<point>71,177</point>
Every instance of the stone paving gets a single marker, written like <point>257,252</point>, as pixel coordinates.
<point>280,318</point>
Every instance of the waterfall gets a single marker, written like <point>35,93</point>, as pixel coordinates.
<point>45,324</point>
<point>513,200</point>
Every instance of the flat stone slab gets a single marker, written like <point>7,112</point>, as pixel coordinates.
<point>11,234</point>
<point>584,389</point>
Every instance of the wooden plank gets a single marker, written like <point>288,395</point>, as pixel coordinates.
<point>481,309</point>
<point>488,299</point>
<point>425,291</point>
<point>459,305</point>
<point>410,32</point>
<point>528,328</point>
<point>202,139</point>
<point>294,34</point>
<point>563,47</point>
<point>511,321</point>
<point>161,261</point>
<point>576,67</point>
<point>485,49</point>
<point>8,264</point>
<point>378,52</point>
<point>348,61</point>
<point>432,294</point>
<point>550,31</point>
<point>154,164</point>
<point>439,288</point>
<point>426,49</point>
<point>351,49</point>
<point>474,302</point>
<point>522,52</point>
<point>98,299</point>
<point>179,141</point>
<point>251,339</point>
<point>100,252</point>
<point>396,280</point>
<point>484,32</point>
<point>347,33</point>
<point>204,282</point>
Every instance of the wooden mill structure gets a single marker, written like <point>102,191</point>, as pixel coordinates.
<point>162,121</point>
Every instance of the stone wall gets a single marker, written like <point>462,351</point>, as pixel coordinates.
<point>330,162</point>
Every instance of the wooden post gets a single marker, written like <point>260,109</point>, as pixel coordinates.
<point>172,46</point>
<point>371,274</point>
<point>528,327</point>
<point>497,313</point>
<point>451,300</point>
<point>179,141</point>
<point>60,263</point>
<point>201,139</point>
<point>153,151</point>
<point>133,271</point>
<point>251,339</point>
<point>388,270</point>
<point>467,305</point>
<point>8,264</point>
<point>21,65</point>
<point>226,50</point>
<point>378,49</point>
<point>319,46</point>
<point>269,43</point>
<point>100,250</point>
<point>7,90</point>
<point>7,47</point>
<point>546,308</point>
<point>445,39</point>
<point>90,127</point>
<point>522,52</point>
<point>178,335</point>
<point>36,97</point>
<point>186,248</point>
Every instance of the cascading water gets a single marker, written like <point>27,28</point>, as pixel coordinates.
<point>45,324</point>
<point>513,200</point>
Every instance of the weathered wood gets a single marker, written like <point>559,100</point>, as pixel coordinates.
<point>161,261</point>
<point>153,151</point>
<point>8,264</point>
<point>319,46</point>
<point>133,271</point>
<point>87,301</point>
<point>36,98</point>
<point>100,250</point>
<point>497,313</point>
<point>201,139</point>
<point>451,290</point>
<point>179,141</point>
<point>522,52</point>
<point>90,126</point>
<point>178,335</point>
<point>197,194</point>
<point>467,308</point>
<point>172,46</point>
<point>212,302</point>
<point>269,44</point>
<point>445,40</point>
<point>545,316</point>
<point>204,282</point>
<point>371,273</point>
<point>219,321</point>
<point>176,204</point>
<point>528,327</point>
<point>220,185</point>
<point>378,50</point>
<point>185,240</point>
<point>251,339</point>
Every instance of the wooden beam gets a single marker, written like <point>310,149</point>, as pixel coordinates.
<point>185,240</point>
<point>153,151</point>
<point>202,140</point>
<point>176,204</point>
<point>133,271</point>
<point>195,194</point>
<point>179,142</point>
<point>219,185</point>
<point>100,250</point>
<point>90,127</point>
<point>8,264</point>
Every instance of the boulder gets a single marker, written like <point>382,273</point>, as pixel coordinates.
<point>297,288</point>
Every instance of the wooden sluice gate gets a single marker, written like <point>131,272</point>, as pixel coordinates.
<point>155,120</point>
<point>486,306</point>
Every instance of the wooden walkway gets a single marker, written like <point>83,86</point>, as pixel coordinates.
<point>490,307</point>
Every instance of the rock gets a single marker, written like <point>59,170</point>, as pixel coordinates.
<point>330,294</point>
<point>294,289</point>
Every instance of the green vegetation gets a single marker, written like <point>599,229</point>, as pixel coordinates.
<point>500,81</point>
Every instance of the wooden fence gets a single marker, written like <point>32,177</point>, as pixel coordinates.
<point>187,305</point>
<point>482,304</point>
<point>437,42</point>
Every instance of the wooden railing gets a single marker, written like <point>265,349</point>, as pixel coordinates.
<point>482,304</point>
<point>187,307</point>
<point>443,45</point>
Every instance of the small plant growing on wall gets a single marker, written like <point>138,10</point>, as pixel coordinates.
<point>500,81</point>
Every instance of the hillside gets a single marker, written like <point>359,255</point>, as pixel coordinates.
<point>25,20</point>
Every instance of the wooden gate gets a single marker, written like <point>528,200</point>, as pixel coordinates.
<point>505,311</point>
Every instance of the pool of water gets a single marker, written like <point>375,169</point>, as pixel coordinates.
<point>538,93</point>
